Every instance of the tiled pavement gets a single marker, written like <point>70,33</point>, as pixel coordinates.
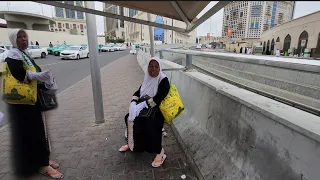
<point>90,152</point>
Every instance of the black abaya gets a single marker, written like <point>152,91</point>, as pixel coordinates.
<point>30,146</point>
<point>147,133</point>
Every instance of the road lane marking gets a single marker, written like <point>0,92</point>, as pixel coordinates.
<point>55,63</point>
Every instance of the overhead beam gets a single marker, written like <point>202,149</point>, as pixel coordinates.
<point>217,7</point>
<point>176,6</point>
<point>110,15</point>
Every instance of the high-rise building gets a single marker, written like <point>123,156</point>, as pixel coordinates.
<point>114,28</point>
<point>69,21</point>
<point>248,19</point>
<point>139,33</point>
<point>68,13</point>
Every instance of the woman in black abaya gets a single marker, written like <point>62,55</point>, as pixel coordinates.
<point>30,143</point>
<point>145,134</point>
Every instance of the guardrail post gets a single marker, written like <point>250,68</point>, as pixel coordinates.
<point>188,61</point>
<point>161,54</point>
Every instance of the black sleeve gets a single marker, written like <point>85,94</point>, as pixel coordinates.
<point>163,91</point>
<point>137,93</point>
<point>16,68</point>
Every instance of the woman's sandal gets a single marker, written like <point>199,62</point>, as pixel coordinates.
<point>53,174</point>
<point>53,164</point>
<point>158,162</point>
<point>124,148</point>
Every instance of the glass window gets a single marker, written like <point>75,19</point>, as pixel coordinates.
<point>251,24</point>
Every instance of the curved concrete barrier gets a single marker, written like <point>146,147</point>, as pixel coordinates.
<point>230,133</point>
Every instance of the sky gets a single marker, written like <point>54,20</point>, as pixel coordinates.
<point>212,25</point>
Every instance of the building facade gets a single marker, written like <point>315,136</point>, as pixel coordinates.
<point>249,19</point>
<point>69,21</point>
<point>139,33</point>
<point>301,35</point>
<point>113,28</point>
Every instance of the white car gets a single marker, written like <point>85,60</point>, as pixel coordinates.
<point>74,52</point>
<point>108,48</point>
<point>119,48</point>
<point>37,52</point>
<point>199,46</point>
<point>7,47</point>
<point>3,54</point>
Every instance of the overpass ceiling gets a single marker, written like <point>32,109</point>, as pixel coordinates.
<point>165,8</point>
<point>185,11</point>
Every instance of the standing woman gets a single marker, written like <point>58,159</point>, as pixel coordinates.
<point>30,143</point>
<point>145,134</point>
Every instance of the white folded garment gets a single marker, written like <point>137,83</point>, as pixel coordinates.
<point>1,118</point>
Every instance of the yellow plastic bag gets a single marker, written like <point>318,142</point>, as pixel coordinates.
<point>16,92</point>
<point>172,106</point>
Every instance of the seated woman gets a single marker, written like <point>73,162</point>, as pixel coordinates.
<point>145,134</point>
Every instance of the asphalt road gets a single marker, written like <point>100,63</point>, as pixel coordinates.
<point>69,72</point>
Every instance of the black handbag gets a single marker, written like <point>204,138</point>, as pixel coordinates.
<point>147,113</point>
<point>46,98</point>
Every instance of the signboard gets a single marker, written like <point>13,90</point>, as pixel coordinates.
<point>258,49</point>
<point>229,31</point>
<point>303,43</point>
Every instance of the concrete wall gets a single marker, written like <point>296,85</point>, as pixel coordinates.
<point>44,37</point>
<point>293,75</point>
<point>230,133</point>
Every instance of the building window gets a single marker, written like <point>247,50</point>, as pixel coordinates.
<point>64,30</point>
<point>70,13</point>
<point>59,29</point>
<point>59,25</point>
<point>78,26</point>
<point>74,26</point>
<point>80,15</point>
<point>67,26</point>
<point>81,26</point>
<point>59,12</point>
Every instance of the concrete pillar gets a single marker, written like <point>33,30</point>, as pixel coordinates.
<point>29,25</point>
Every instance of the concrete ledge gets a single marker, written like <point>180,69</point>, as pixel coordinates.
<point>288,63</point>
<point>231,133</point>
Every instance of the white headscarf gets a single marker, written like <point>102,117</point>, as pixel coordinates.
<point>150,84</point>
<point>14,52</point>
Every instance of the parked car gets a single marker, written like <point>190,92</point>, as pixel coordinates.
<point>57,51</point>
<point>7,47</point>
<point>74,52</point>
<point>199,46</point>
<point>3,54</point>
<point>50,49</point>
<point>37,52</point>
<point>107,48</point>
<point>119,48</point>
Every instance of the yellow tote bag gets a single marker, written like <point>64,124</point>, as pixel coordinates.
<point>16,92</point>
<point>172,106</point>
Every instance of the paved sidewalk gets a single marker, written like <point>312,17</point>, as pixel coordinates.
<point>83,150</point>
